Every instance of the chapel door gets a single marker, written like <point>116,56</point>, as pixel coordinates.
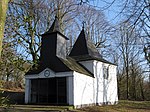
<point>49,91</point>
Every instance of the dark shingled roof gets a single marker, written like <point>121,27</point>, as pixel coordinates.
<point>84,46</point>
<point>75,66</point>
<point>84,50</point>
<point>62,65</point>
<point>87,57</point>
<point>55,28</point>
<point>55,64</point>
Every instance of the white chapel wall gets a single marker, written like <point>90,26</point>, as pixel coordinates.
<point>83,89</point>
<point>98,82</point>
<point>112,85</point>
<point>97,90</point>
<point>106,89</point>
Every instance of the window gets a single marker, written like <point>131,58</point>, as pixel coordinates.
<point>105,72</point>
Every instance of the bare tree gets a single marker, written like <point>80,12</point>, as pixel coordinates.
<point>28,19</point>
<point>128,47</point>
<point>22,20</point>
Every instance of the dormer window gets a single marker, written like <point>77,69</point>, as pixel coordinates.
<point>105,72</point>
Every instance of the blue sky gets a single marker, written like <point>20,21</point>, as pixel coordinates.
<point>111,11</point>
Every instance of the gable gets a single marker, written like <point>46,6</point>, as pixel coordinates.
<point>46,73</point>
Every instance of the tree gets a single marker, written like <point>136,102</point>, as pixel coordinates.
<point>23,23</point>
<point>137,12</point>
<point>3,9</point>
<point>134,11</point>
<point>28,19</point>
<point>66,11</point>
<point>130,61</point>
<point>12,66</point>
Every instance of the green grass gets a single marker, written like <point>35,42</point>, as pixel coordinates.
<point>123,106</point>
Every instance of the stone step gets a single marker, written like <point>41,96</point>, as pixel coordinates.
<point>39,108</point>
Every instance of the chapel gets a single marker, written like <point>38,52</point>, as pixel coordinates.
<point>81,78</point>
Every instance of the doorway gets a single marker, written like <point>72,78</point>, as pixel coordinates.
<point>49,91</point>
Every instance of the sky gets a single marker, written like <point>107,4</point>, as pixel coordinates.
<point>111,10</point>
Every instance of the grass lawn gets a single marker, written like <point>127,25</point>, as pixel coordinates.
<point>123,106</point>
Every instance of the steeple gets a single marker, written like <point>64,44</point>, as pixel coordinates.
<point>55,26</point>
<point>84,47</point>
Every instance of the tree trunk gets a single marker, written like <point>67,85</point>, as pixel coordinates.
<point>3,10</point>
<point>141,87</point>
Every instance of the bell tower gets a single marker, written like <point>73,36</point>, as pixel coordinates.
<point>53,44</point>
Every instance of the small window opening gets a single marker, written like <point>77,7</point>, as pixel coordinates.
<point>105,72</point>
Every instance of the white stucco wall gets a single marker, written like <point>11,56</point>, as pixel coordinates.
<point>98,82</point>
<point>83,89</point>
<point>97,90</point>
<point>112,85</point>
<point>107,88</point>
